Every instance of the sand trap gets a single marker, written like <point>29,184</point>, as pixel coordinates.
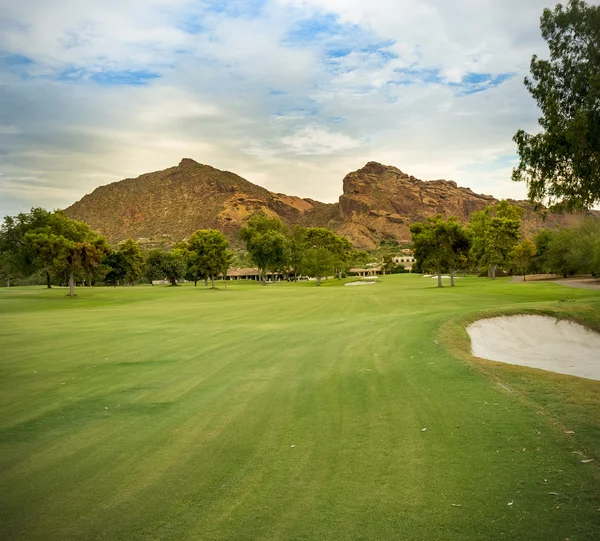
<point>362,283</point>
<point>444,277</point>
<point>538,342</point>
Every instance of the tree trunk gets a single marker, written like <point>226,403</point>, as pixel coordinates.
<point>205,282</point>
<point>440,278</point>
<point>494,272</point>
<point>8,282</point>
<point>489,271</point>
<point>524,276</point>
<point>318,280</point>
<point>212,279</point>
<point>263,278</point>
<point>195,283</point>
<point>451,277</point>
<point>173,281</point>
<point>48,284</point>
<point>71,285</point>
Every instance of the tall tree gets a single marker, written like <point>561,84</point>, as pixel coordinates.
<point>266,243</point>
<point>495,231</point>
<point>561,164</point>
<point>318,263</point>
<point>169,265</point>
<point>522,257</point>
<point>209,254</point>
<point>440,245</point>
<point>134,260</point>
<point>340,249</point>
<point>18,260</point>
<point>117,268</point>
<point>72,246</point>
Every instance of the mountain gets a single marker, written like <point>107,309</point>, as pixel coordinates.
<point>378,202</point>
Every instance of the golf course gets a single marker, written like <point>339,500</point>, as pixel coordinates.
<point>290,412</point>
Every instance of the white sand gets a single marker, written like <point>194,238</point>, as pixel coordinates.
<point>538,342</point>
<point>363,283</point>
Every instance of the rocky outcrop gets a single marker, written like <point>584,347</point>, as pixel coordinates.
<point>378,203</point>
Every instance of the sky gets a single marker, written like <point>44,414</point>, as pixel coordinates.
<point>289,94</point>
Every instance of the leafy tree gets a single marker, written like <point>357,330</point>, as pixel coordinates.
<point>134,260</point>
<point>318,263</point>
<point>209,255</point>
<point>495,231</point>
<point>561,164</point>
<point>117,265</point>
<point>340,249</point>
<point>72,247</point>
<point>389,266</point>
<point>266,243</point>
<point>170,265</point>
<point>18,261</point>
<point>522,257</point>
<point>440,245</point>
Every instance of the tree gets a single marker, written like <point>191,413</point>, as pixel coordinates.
<point>318,263</point>
<point>170,265</point>
<point>340,249</point>
<point>72,247</point>
<point>117,264</point>
<point>561,164</point>
<point>266,243</point>
<point>495,231</point>
<point>522,257</point>
<point>571,251</point>
<point>130,252</point>
<point>18,261</point>
<point>440,245</point>
<point>208,254</point>
<point>389,265</point>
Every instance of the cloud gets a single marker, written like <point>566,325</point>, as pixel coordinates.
<point>291,94</point>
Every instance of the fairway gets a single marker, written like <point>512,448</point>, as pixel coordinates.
<point>289,412</point>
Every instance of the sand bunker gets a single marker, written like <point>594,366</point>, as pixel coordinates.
<point>361,283</point>
<point>538,342</point>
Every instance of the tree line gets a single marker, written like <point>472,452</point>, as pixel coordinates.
<point>493,240</point>
<point>67,251</point>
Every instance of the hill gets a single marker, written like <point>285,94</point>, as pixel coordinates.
<point>378,202</point>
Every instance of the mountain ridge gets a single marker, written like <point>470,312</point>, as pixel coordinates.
<point>378,202</point>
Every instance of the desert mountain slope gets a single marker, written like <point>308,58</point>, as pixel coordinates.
<point>166,206</point>
<point>378,202</point>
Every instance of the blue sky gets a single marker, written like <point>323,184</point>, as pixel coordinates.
<point>290,94</point>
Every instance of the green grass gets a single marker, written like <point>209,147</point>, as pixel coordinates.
<point>289,412</point>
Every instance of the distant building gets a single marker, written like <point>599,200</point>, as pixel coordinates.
<point>405,258</point>
<point>252,274</point>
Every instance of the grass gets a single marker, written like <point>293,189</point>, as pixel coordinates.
<point>289,412</point>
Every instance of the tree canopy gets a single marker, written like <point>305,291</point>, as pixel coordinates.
<point>561,164</point>
<point>440,245</point>
<point>495,231</point>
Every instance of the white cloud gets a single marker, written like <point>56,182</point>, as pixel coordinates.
<point>291,94</point>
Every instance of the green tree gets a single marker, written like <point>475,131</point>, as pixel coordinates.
<point>522,257</point>
<point>440,245</point>
<point>495,230</point>
<point>318,263</point>
<point>72,247</point>
<point>18,261</point>
<point>266,243</point>
<point>340,249</point>
<point>209,254</point>
<point>561,164</point>
<point>170,265</point>
<point>134,260</point>
<point>117,265</point>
